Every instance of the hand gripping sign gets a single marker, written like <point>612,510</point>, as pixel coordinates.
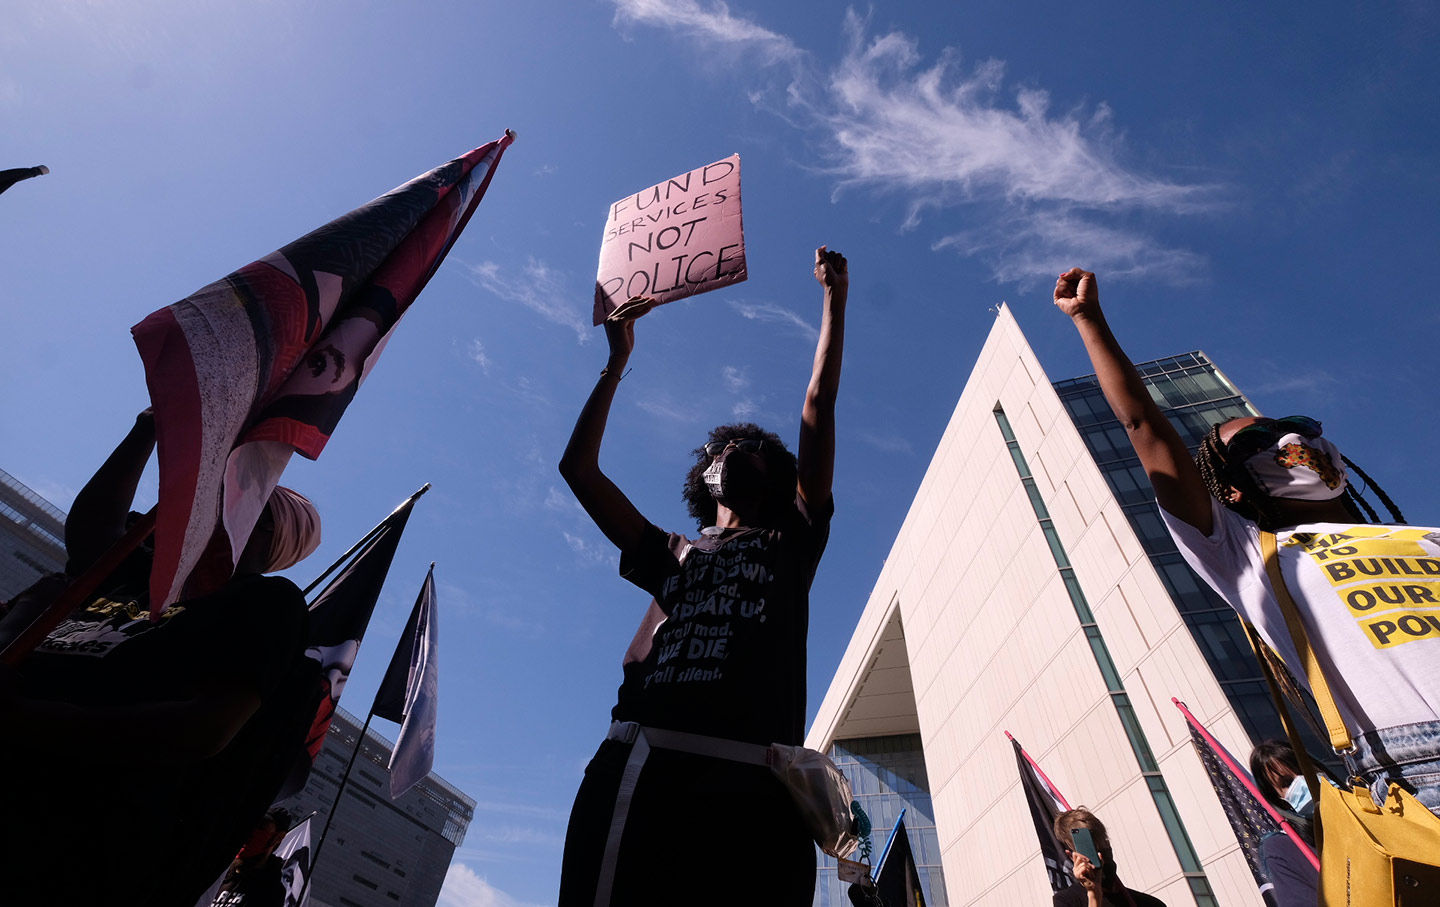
<point>677,238</point>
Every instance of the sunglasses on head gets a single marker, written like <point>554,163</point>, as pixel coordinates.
<point>744,445</point>
<point>1254,438</point>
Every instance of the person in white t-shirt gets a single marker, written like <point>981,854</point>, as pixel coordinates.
<point>1368,592</point>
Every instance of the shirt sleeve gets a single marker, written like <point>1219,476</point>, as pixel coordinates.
<point>652,561</point>
<point>812,526</point>
<point>259,632</point>
<point>1228,559</point>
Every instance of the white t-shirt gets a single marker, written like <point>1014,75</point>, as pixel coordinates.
<point>1369,596</point>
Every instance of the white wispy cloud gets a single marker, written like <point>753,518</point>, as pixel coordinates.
<point>1271,379</point>
<point>10,94</point>
<point>478,356</point>
<point>516,834</point>
<point>57,493</point>
<point>764,311</point>
<point>539,288</point>
<point>563,501</point>
<point>463,887</point>
<point>588,553</point>
<point>459,600</point>
<point>941,136</point>
<point>887,443</point>
<point>1032,248</point>
<point>736,379</point>
<point>667,408</point>
<point>521,809</point>
<point>900,123</point>
<point>712,21</point>
<point>745,409</point>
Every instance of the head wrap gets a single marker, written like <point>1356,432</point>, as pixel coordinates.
<point>297,528</point>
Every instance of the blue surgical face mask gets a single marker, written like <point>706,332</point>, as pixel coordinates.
<point>1298,796</point>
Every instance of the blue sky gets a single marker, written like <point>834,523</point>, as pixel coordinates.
<point>1256,182</point>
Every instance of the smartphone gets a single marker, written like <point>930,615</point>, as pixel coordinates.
<point>1085,843</point>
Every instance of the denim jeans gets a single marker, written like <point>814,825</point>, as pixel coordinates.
<point>1406,753</point>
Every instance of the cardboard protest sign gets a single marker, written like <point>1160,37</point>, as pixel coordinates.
<point>677,238</point>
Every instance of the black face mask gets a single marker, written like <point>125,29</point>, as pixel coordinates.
<point>732,476</point>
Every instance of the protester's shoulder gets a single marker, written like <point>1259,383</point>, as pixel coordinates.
<point>1227,528</point>
<point>814,513</point>
<point>1071,896</point>
<point>1145,900</point>
<point>280,590</point>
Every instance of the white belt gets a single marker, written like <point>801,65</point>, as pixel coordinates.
<point>641,740</point>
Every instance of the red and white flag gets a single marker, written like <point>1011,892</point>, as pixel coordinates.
<point>263,363</point>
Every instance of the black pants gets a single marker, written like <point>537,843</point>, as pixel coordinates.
<point>701,831</point>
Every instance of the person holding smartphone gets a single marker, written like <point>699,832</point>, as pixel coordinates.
<point>1088,845</point>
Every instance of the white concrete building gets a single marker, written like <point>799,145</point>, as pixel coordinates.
<point>1032,607</point>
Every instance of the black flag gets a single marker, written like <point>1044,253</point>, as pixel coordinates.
<point>899,881</point>
<point>1045,804</point>
<point>1251,818</point>
<point>338,618</point>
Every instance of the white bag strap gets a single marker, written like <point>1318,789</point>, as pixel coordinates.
<point>641,739</point>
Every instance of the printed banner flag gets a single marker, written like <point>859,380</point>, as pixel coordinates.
<point>409,694</point>
<point>1046,803</point>
<point>898,882</point>
<point>263,363</point>
<point>678,238</point>
<point>338,618</point>
<point>1251,818</point>
<point>295,851</point>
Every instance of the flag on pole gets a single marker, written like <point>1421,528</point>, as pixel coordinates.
<point>1251,818</point>
<point>294,850</point>
<point>338,618</point>
<point>1046,803</point>
<point>262,364</point>
<point>898,881</point>
<point>409,694</point>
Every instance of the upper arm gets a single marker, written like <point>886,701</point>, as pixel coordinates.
<point>620,521</point>
<point>1179,487</point>
<point>815,456</point>
<point>214,716</point>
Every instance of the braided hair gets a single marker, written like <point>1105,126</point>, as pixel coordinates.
<point>1220,476</point>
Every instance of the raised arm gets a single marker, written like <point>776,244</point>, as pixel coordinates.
<point>97,518</point>
<point>1178,486</point>
<point>816,454</point>
<point>607,505</point>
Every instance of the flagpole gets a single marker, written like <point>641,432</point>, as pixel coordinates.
<point>80,588</point>
<point>365,539</point>
<point>344,778</point>
<point>1039,771</point>
<point>1244,777</point>
<point>884,854</point>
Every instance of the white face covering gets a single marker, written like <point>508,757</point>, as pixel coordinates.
<point>1298,796</point>
<point>732,475</point>
<point>1299,468</point>
<point>715,475</point>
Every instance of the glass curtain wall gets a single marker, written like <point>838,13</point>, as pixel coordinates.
<point>887,774</point>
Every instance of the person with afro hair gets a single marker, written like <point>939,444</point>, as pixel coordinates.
<point>716,672</point>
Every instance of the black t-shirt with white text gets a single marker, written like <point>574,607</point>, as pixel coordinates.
<point>729,658</point>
